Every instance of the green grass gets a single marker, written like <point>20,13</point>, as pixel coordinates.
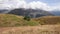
<point>9,20</point>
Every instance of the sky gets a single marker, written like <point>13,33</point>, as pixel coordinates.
<point>48,5</point>
<point>50,2</point>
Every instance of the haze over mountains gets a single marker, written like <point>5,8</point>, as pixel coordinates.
<point>56,12</point>
<point>4,11</point>
<point>31,12</point>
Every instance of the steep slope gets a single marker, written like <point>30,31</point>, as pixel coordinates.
<point>30,12</point>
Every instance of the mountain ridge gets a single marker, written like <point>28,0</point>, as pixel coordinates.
<point>56,13</point>
<point>30,12</point>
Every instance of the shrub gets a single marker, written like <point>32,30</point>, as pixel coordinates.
<point>27,18</point>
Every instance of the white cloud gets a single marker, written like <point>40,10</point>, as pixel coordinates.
<point>9,4</point>
<point>12,4</point>
<point>39,5</point>
<point>57,7</point>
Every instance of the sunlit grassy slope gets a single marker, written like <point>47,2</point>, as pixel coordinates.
<point>9,20</point>
<point>50,20</point>
<point>13,20</point>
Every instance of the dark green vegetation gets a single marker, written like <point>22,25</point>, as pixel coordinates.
<point>27,18</point>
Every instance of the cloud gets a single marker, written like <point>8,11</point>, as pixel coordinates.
<point>12,4</point>
<point>39,5</point>
<point>57,6</point>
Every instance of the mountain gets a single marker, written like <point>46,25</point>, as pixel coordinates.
<point>56,13</point>
<point>4,11</point>
<point>30,12</point>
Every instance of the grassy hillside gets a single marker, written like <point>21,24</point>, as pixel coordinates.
<point>9,20</point>
<point>13,20</point>
<point>48,20</point>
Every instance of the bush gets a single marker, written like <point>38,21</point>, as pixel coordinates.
<point>27,18</point>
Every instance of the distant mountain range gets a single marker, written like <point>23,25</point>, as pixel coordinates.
<point>31,12</point>
<point>56,13</point>
<point>4,11</point>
